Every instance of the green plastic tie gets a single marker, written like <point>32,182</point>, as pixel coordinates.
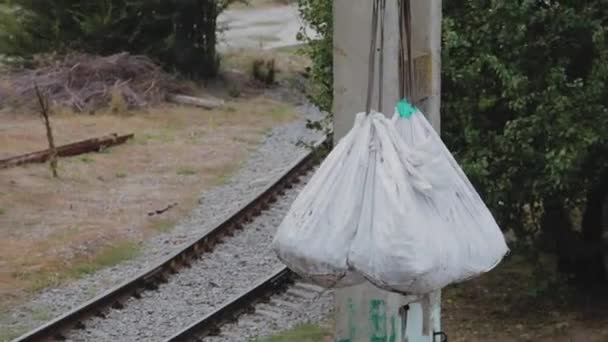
<point>405,109</point>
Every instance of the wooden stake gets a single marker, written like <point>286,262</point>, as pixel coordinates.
<point>44,113</point>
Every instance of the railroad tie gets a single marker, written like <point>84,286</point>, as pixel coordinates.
<point>295,292</point>
<point>285,304</point>
<point>309,287</point>
<point>270,314</point>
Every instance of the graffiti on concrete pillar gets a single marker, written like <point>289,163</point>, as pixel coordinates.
<point>378,323</point>
<point>393,336</point>
<point>352,327</point>
<point>377,319</point>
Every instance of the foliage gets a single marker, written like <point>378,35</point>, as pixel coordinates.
<point>525,112</point>
<point>264,70</point>
<point>179,33</point>
<point>524,109</point>
<point>318,14</point>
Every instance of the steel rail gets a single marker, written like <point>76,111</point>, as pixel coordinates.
<point>211,323</point>
<point>150,279</point>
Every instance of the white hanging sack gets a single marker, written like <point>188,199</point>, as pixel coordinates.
<point>314,238</point>
<point>423,225</point>
<point>482,244</point>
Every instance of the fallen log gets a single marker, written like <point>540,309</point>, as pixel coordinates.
<point>85,146</point>
<point>207,103</point>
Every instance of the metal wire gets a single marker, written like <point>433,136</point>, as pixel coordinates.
<point>372,57</point>
<point>406,60</point>
<point>381,71</point>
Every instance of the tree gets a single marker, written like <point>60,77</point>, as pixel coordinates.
<point>181,34</point>
<point>318,14</point>
<point>525,112</point>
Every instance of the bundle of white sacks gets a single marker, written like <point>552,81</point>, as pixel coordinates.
<point>390,205</point>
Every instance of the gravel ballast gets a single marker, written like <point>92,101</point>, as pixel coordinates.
<point>266,164</point>
<point>300,304</point>
<point>218,276</point>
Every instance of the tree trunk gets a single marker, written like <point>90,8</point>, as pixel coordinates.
<point>556,223</point>
<point>195,27</point>
<point>593,227</point>
<point>579,254</point>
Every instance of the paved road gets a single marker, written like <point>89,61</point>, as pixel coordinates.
<point>265,28</point>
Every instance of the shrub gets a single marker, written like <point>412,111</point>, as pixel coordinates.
<point>181,34</point>
<point>524,111</point>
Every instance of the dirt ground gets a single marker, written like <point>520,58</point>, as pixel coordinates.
<point>505,305</point>
<point>509,305</point>
<point>96,213</point>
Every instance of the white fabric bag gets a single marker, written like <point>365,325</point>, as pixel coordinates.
<point>423,225</point>
<point>314,238</point>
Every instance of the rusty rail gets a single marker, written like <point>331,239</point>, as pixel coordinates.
<point>151,278</point>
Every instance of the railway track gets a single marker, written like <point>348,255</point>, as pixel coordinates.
<point>141,286</point>
<point>270,300</point>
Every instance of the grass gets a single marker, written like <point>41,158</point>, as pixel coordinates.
<point>303,333</point>
<point>511,303</point>
<point>41,315</point>
<point>163,225</point>
<point>280,113</point>
<point>186,171</point>
<point>10,333</point>
<point>291,49</point>
<point>246,140</point>
<point>87,159</point>
<point>162,135</point>
<point>54,231</point>
<point>287,63</point>
<point>222,178</point>
<point>108,257</point>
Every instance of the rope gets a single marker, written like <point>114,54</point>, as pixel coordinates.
<point>381,76</point>
<point>372,57</point>
<point>406,60</point>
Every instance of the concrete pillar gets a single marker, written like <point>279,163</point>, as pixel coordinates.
<point>352,25</point>
<point>426,23</point>
<point>365,313</point>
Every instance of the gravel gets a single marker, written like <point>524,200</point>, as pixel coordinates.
<point>284,312</point>
<point>217,277</point>
<point>277,153</point>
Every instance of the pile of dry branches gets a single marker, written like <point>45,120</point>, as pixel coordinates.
<point>86,82</point>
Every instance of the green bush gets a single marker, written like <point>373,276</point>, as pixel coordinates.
<point>525,112</point>
<point>318,14</point>
<point>181,34</point>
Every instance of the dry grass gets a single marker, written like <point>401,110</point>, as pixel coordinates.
<point>287,63</point>
<point>96,213</point>
<point>302,333</point>
<point>505,305</point>
<point>501,306</point>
